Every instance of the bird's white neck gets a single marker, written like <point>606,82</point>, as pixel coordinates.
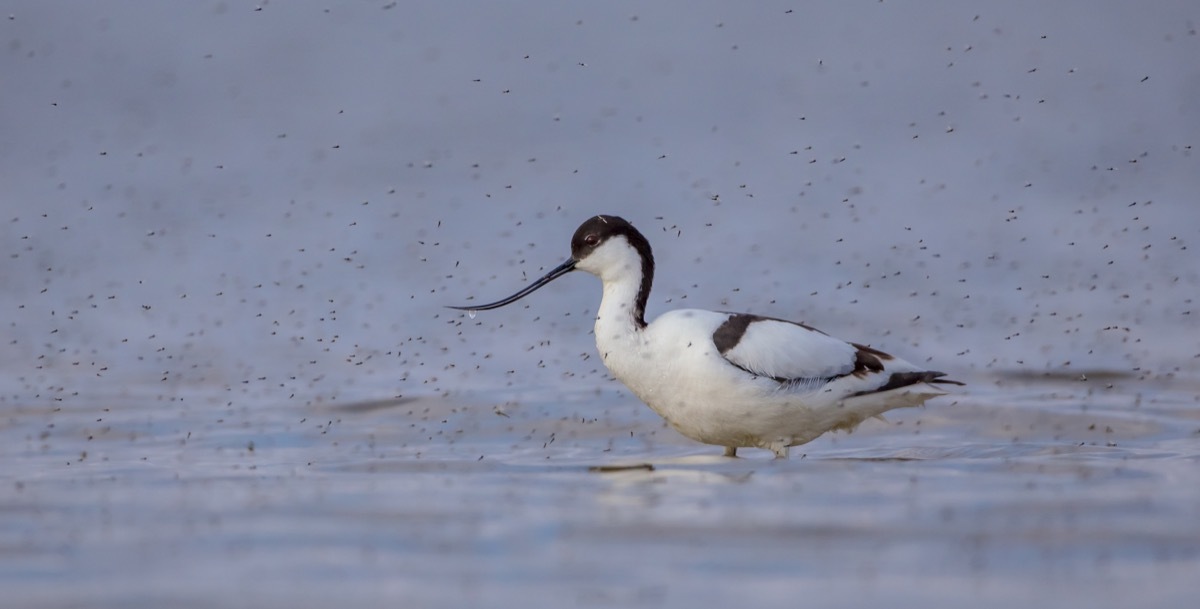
<point>619,312</point>
<point>619,326</point>
<point>626,276</point>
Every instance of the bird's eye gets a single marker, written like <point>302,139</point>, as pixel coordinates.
<point>591,239</point>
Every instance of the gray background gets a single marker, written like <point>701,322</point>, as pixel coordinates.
<point>229,230</point>
<point>207,193</point>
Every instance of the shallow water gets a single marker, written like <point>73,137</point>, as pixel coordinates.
<point>228,234</point>
<point>1067,493</point>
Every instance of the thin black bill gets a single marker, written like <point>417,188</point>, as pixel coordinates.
<point>558,271</point>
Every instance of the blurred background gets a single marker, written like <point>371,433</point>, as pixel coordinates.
<point>229,231</point>
<point>279,198</point>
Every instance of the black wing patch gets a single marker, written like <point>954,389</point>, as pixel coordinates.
<point>730,333</point>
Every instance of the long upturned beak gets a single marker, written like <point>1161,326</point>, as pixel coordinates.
<point>558,271</point>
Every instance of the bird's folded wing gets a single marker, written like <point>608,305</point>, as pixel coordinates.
<point>786,351</point>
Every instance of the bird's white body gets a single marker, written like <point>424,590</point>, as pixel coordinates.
<point>675,367</point>
<point>729,379</point>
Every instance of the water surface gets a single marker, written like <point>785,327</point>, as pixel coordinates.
<point>1054,497</point>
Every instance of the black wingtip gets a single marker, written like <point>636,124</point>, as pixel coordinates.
<point>904,379</point>
<point>946,381</point>
<point>934,378</point>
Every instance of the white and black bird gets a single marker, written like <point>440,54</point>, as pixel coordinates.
<point>729,379</point>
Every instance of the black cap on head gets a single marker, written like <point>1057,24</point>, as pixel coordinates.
<point>597,230</point>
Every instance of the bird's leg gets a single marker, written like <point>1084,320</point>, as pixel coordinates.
<point>730,451</point>
<point>781,452</point>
